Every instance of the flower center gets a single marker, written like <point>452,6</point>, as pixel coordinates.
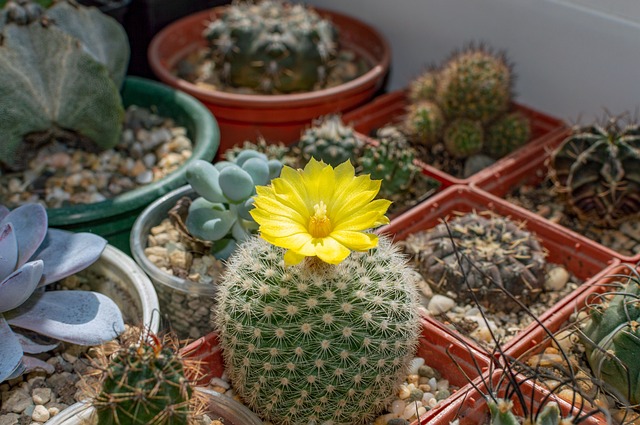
<point>320,225</point>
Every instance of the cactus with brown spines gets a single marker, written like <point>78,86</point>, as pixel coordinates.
<point>506,134</point>
<point>597,169</point>
<point>329,140</point>
<point>491,248</point>
<point>423,122</point>
<point>463,138</point>
<point>272,46</point>
<point>423,87</point>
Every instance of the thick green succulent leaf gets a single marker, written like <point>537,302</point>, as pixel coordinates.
<point>47,80</point>
<point>104,38</point>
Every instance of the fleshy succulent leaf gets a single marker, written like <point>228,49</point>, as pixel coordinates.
<point>29,223</point>
<point>65,253</point>
<point>209,221</point>
<point>29,364</point>
<point>8,250</point>
<point>79,317</point>
<point>203,177</point>
<point>247,154</point>
<point>236,183</point>
<point>10,351</point>
<point>19,285</point>
<point>30,346</point>
<point>258,169</point>
<point>3,211</point>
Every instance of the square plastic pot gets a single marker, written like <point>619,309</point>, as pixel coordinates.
<point>578,255</point>
<point>390,109</point>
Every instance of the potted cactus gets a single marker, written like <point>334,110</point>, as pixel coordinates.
<point>46,49</point>
<point>277,86</point>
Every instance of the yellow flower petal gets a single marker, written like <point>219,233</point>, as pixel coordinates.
<point>357,241</point>
<point>292,258</point>
<point>302,243</point>
<point>331,251</point>
<point>368,217</point>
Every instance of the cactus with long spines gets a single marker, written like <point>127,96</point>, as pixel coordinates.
<point>329,140</point>
<point>506,134</point>
<point>597,169</point>
<point>463,138</point>
<point>272,46</point>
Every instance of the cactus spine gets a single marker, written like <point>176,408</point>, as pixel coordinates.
<point>424,122</point>
<point>506,134</point>
<point>329,141</point>
<point>463,138</point>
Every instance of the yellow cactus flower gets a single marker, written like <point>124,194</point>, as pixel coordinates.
<point>320,212</point>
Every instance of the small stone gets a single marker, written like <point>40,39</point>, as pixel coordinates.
<point>416,363</point>
<point>398,421</point>
<point>426,371</point>
<point>219,382</point>
<point>557,278</point>
<point>41,395</point>
<point>397,407</point>
<point>17,401</point>
<point>40,414</point>
<point>10,419</point>
<point>404,392</point>
<point>440,304</point>
<point>413,379</point>
<point>53,411</point>
<point>145,177</point>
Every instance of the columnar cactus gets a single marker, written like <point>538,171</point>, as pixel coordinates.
<point>330,141</point>
<point>272,46</point>
<point>463,138</point>
<point>596,167</point>
<point>491,248</point>
<point>423,122</point>
<point>506,134</point>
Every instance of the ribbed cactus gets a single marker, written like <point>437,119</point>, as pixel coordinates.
<point>57,76</point>
<point>272,46</point>
<point>490,248</point>
<point>221,214</point>
<point>506,134</point>
<point>330,141</point>
<point>278,151</point>
<point>463,138</point>
<point>423,87</point>
<point>317,343</point>
<point>597,167</point>
<point>502,414</point>
<point>611,338</point>
<point>474,84</point>
<point>423,122</point>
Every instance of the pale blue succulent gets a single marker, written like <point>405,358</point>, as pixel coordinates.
<point>226,189</point>
<point>31,257</point>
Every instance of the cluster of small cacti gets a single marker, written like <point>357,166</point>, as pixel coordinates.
<point>69,46</point>
<point>220,215</point>
<point>479,257</point>
<point>272,46</point>
<point>473,86</point>
<point>317,343</point>
<point>596,169</point>
<point>278,151</point>
<point>329,140</point>
<point>501,411</point>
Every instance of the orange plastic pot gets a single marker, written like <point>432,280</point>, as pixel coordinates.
<point>580,256</point>
<point>390,109</point>
<point>275,117</point>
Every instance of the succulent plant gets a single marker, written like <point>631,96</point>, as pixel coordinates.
<point>463,138</point>
<point>502,414</point>
<point>597,167</point>
<point>32,257</point>
<point>316,342</point>
<point>226,189</point>
<point>475,84</point>
<point>611,337</point>
<point>330,141</point>
<point>495,255</point>
<point>272,46</point>
<point>506,134</point>
<point>278,151</point>
<point>424,122</point>
<point>423,87</point>
<point>22,12</point>
<point>48,67</point>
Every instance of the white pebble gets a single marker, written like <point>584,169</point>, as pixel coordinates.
<point>397,407</point>
<point>404,392</point>
<point>220,382</point>
<point>440,304</point>
<point>415,365</point>
<point>411,410</point>
<point>557,279</point>
<point>40,414</point>
<point>427,397</point>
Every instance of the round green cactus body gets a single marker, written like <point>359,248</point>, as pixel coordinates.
<point>272,46</point>
<point>474,84</point>
<point>423,87</point>
<point>463,138</point>
<point>329,141</point>
<point>424,122</point>
<point>506,134</point>
<point>598,168</point>
<point>317,343</point>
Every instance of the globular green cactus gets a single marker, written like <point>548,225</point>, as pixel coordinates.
<point>611,337</point>
<point>423,87</point>
<point>506,134</point>
<point>502,414</point>
<point>315,342</point>
<point>330,141</point>
<point>474,84</point>
<point>491,248</point>
<point>463,138</point>
<point>272,46</point>
<point>221,213</point>
<point>391,161</point>
<point>278,151</point>
<point>59,74</point>
<point>424,122</point>
<point>597,168</point>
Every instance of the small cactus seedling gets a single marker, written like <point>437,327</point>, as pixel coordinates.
<point>423,122</point>
<point>597,168</point>
<point>474,84</point>
<point>329,141</point>
<point>278,151</point>
<point>506,134</point>
<point>463,138</point>
<point>423,87</point>
<point>272,46</point>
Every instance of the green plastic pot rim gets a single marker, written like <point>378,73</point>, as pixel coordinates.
<point>207,130</point>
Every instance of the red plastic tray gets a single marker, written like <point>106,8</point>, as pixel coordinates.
<point>389,109</point>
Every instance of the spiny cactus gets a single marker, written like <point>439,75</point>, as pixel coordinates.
<point>272,46</point>
<point>423,122</point>
<point>278,151</point>
<point>221,213</point>
<point>317,343</point>
<point>330,141</point>
<point>474,84</point>
<point>502,414</point>
<point>463,138</point>
<point>61,74</point>
<point>490,248</point>
<point>423,87</point>
<point>597,168</point>
<point>506,134</point>
<point>611,337</point>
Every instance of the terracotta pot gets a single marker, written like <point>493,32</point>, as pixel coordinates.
<point>578,255</point>
<point>390,109</point>
<point>276,117</point>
